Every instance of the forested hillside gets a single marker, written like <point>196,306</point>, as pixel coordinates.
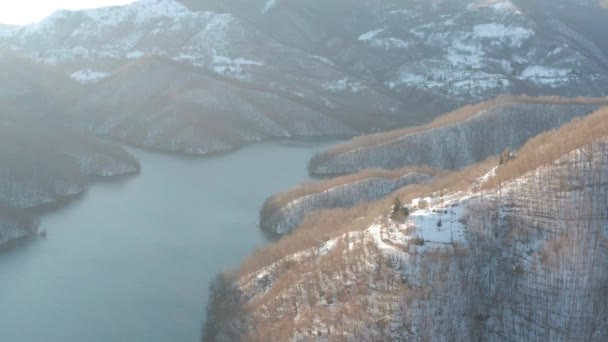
<point>46,164</point>
<point>455,140</point>
<point>516,253</point>
<point>283,212</point>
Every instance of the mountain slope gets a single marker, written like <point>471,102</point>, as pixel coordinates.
<point>284,212</point>
<point>28,89</point>
<point>519,253</point>
<point>457,139</point>
<point>368,66</point>
<point>163,104</point>
<point>440,53</point>
<point>44,164</point>
<point>214,48</point>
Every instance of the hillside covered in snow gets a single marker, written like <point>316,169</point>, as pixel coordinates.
<point>498,251</point>
<point>284,212</point>
<point>442,52</point>
<point>222,74</point>
<point>458,139</point>
<point>216,81</point>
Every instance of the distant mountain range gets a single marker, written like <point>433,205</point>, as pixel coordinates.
<point>218,74</point>
<point>210,76</point>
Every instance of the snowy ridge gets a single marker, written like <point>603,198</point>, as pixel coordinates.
<point>512,262</point>
<point>289,217</point>
<point>460,144</point>
<point>70,36</point>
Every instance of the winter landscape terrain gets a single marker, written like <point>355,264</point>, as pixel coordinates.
<point>515,254</point>
<point>457,139</point>
<point>222,74</point>
<point>467,197</point>
<point>284,212</point>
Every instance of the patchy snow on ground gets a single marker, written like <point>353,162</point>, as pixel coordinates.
<point>370,35</point>
<point>405,78</point>
<point>465,53</point>
<point>545,75</point>
<point>268,6</point>
<point>389,43</point>
<point>438,225</point>
<point>499,6</point>
<point>88,76</point>
<point>138,12</point>
<point>514,35</point>
<point>135,54</point>
<point>324,60</point>
<point>485,178</point>
<point>343,85</point>
<point>234,66</point>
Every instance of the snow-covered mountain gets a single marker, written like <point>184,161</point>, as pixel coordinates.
<point>517,254</point>
<point>159,103</point>
<point>356,67</point>
<point>454,51</point>
<point>180,53</point>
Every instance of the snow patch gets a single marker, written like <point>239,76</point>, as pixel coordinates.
<point>499,6</point>
<point>268,6</point>
<point>135,54</point>
<point>88,76</point>
<point>237,67</point>
<point>382,43</point>
<point>514,34</point>
<point>370,35</point>
<point>343,85</point>
<point>544,75</point>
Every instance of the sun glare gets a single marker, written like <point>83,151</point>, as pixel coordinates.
<point>28,11</point>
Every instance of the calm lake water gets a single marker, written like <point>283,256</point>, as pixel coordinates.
<point>131,260</point>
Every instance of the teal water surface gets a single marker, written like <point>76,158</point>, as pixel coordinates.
<point>131,260</point>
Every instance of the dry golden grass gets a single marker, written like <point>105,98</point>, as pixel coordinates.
<point>327,224</point>
<point>323,225</point>
<point>278,201</point>
<point>547,147</point>
<point>458,115</point>
<point>297,283</point>
<point>293,302</point>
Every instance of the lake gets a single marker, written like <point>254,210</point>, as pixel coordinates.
<point>132,259</point>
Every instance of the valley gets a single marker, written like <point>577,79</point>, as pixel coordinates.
<point>279,170</point>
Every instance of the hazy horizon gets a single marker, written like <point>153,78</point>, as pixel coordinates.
<point>30,11</point>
